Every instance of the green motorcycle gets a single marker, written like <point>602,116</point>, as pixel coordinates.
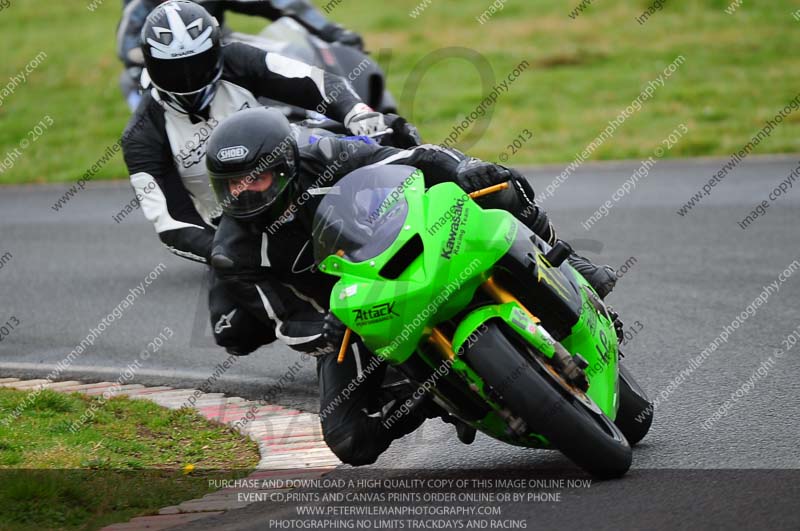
<point>479,312</point>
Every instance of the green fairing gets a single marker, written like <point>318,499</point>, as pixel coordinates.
<point>395,316</point>
<point>433,288</point>
<point>600,348</point>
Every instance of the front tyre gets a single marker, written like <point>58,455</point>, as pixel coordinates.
<point>635,414</point>
<point>579,430</point>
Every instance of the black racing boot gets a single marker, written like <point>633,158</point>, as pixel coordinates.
<point>619,327</point>
<point>465,432</point>
<point>396,388</point>
<point>518,199</point>
<point>602,278</point>
<point>425,408</point>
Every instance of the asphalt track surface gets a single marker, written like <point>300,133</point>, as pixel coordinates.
<point>690,277</point>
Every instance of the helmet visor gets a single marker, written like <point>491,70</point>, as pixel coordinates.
<point>185,75</point>
<point>188,84</point>
<point>244,195</point>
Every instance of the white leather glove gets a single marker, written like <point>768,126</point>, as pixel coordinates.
<point>362,120</point>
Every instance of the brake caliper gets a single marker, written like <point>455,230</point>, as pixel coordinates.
<point>571,367</point>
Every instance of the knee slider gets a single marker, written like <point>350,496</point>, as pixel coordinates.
<point>350,450</point>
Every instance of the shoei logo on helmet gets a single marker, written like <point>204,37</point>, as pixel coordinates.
<point>232,153</point>
<point>182,44</point>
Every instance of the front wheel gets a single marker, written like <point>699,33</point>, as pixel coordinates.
<point>571,422</point>
<point>635,414</point>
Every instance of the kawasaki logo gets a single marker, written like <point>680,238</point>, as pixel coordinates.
<point>449,246</point>
<point>379,312</point>
<point>232,153</point>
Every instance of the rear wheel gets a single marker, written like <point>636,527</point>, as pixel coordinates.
<point>565,415</point>
<point>635,414</point>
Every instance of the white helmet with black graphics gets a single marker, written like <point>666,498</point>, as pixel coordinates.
<point>182,49</point>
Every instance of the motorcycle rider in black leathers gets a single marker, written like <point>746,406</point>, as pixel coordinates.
<point>135,13</point>
<point>269,189</point>
<point>197,83</point>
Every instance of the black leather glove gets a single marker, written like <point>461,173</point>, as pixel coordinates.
<point>332,334</point>
<point>474,174</point>
<point>404,134</point>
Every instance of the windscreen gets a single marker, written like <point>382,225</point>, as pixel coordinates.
<point>362,215</point>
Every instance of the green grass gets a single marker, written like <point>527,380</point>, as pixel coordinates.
<point>740,69</point>
<point>127,461</point>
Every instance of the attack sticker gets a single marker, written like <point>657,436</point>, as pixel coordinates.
<point>376,314</point>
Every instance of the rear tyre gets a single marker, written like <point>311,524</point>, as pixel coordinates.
<point>580,431</point>
<point>635,414</point>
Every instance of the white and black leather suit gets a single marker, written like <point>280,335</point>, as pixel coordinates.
<point>165,150</point>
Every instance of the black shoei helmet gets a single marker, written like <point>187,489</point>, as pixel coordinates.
<point>183,54</point>
<point>252,158</point>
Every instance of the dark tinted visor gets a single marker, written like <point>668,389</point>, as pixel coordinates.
<point>186,74</point>
<point>247,194</point>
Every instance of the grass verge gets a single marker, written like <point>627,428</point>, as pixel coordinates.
<point>127,461</point>
<point>584,69</point>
